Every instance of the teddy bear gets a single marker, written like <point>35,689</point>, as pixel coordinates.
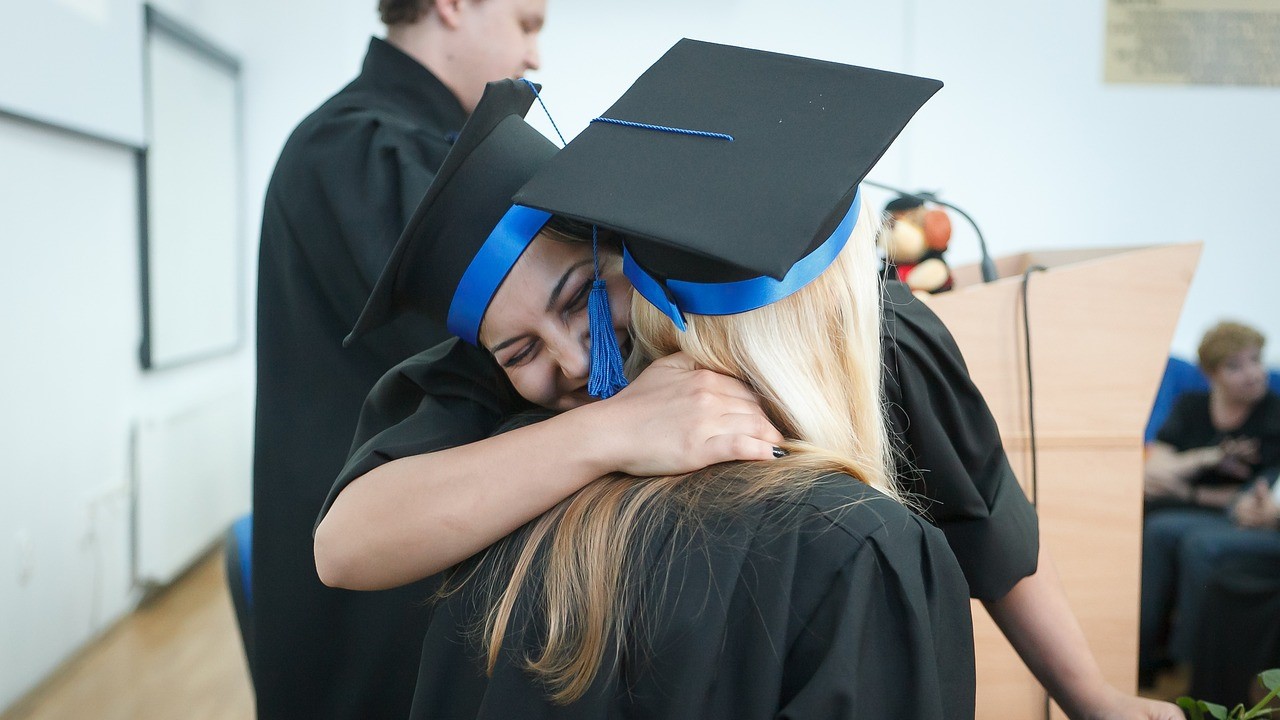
<point>914,240</point>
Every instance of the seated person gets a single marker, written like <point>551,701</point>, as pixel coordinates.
<point>1208,451</point>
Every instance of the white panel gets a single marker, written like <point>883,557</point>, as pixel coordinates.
<point>193,464</point>
<point>69,303</point>
<point>74,63</point>
<point>193,194</point>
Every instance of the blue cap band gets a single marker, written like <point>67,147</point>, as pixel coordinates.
<point>731,298</point>
<point>500,251</point>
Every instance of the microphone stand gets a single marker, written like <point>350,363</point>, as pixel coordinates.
<point>987,265</point>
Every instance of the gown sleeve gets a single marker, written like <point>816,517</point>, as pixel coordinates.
<point>954,459</point>
<point>450,395</point>
<point>366,176</point>
<point>891,637</point>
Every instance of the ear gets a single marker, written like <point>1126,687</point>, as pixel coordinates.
<point>449,12</point>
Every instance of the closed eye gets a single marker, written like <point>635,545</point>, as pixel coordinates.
<point>579,299</point>
<point>526,353</point>
<point>531,25</point>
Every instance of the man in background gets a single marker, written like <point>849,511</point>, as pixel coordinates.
<point>346,183</point>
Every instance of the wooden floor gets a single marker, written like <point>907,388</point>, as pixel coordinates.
<point>177,656</point>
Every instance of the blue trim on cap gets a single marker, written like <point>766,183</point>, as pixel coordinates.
<point>731,298</point>
<point>495,258</point>
<point>650,289</point>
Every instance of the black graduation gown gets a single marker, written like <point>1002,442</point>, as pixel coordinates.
<point>346,183</point>
<point>840,605</point>
<point>455,394</point>
<point>955,460</point>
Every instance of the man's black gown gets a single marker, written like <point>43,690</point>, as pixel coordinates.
<point>454,394</point>
<point>345,184</point>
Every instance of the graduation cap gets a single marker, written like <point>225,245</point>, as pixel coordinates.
<point>731,173</point>
<point>465,235</point>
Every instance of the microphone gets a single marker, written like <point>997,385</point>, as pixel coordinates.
<point>987,265</point>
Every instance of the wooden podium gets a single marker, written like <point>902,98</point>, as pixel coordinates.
<point>1101,321</point>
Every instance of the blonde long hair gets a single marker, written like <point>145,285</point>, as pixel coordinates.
<point>814,360</point>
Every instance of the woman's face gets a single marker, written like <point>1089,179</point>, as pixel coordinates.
<point>1241,377</point>
<point>536,326</point>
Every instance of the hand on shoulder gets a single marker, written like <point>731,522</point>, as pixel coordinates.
<point>677,417</point>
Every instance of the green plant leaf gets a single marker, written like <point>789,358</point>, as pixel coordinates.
<point>1271,679</point>
<point>1217,711</point>
<point>1192,707</point>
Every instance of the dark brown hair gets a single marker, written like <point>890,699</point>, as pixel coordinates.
<point>402,12</point>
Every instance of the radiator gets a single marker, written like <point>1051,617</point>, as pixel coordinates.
<point>192,468</point>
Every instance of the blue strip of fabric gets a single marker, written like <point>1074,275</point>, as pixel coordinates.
<point>743,295</point>
<point>500,251</point>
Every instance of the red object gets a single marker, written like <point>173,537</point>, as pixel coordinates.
<point>937,229</point>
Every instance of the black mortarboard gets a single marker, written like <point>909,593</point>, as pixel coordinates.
<point>466,235</point>
<point>770,175</point>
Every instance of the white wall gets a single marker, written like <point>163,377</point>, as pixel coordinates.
<point>1031,142</point>
<point>69,369</point>
<point>72,391</point>
<point>74,394</point>
<point>592,50</point>
<point>1025,136</point>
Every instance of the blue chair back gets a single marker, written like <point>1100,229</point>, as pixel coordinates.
<point>238,543</point>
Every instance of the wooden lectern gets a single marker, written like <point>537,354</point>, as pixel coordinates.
<point>1101,321</point>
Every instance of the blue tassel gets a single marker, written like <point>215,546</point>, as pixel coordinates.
<point>606,359</point>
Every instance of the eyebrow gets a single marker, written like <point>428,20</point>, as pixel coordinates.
<point>555,293</point>
<point>551,302</point>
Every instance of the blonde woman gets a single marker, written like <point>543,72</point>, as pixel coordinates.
<point>796,587</point>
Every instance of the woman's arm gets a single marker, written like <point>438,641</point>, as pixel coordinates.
<point>1168,473</point>
<point>1039,623</point>
<point>416,516</point>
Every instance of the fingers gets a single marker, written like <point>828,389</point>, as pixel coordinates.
<point>710,407</point>
<point>1235,468</point>
<point>682,418</point>
<point>743,436</point>
<point>1241,448</point>
<point>697,377</point>
<point>751,424</point>
<point>727,448</point>
<point>727,386</point>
